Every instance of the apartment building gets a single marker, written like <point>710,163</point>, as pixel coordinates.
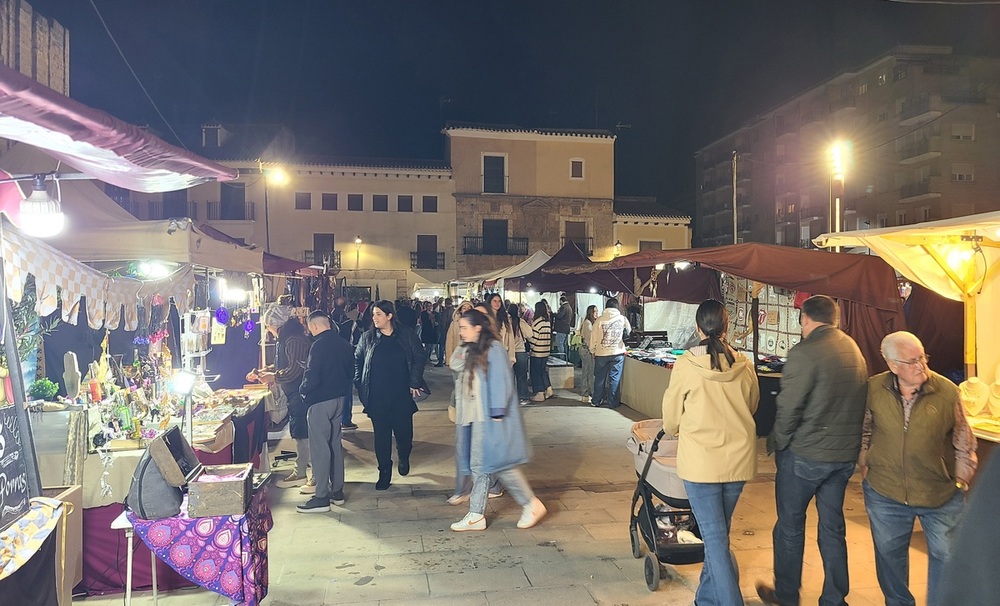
<point>909,137</point>
<point>520,190</point>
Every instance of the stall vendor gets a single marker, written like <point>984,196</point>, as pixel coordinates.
<point>290,355</point>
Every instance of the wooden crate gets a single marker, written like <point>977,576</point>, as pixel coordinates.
<point>221,498</point>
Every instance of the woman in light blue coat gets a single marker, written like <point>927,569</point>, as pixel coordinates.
<point>486,400</point>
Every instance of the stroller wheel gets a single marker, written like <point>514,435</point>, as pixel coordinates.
<point>651,570</point>
<point>636,546</point>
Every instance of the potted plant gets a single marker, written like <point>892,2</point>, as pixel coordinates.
<point>43,389</point>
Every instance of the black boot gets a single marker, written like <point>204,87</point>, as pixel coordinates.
<point>404,465</point>
<point>384,479</point>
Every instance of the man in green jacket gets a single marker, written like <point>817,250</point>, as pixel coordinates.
<point>918,456</point>
<point>816,439</point>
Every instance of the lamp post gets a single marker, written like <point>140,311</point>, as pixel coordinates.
<point>618,248</point>
<point>839,154</point>
<point>278,177</point>
<point>357,253</point>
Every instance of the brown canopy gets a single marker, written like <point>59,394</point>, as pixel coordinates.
<point>866,286</point>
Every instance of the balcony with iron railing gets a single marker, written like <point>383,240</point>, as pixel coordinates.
<point>916,110</point>
<point>328,258</point>
<point>157,210</point>
<point>584,244</point>
<point>420,259</point>
<point>482,245</point>
<point>224,211</point>
<point>910,192</point>
<point>917,151</point>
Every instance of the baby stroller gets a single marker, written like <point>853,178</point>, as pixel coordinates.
<point>670,530</point>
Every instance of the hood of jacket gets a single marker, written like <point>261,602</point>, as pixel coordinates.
<point>701,362</point>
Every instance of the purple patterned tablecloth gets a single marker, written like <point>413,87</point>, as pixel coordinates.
<point>224,554</point>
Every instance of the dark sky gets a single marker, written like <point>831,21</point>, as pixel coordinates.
<point>366,77</point>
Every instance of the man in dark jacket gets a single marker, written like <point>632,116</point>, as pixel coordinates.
<point>563,324</point>
<point>325,389</point>
<point>816,440</point>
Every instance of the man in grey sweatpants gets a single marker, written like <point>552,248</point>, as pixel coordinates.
<point>326,386</point>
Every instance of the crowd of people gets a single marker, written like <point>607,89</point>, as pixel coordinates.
<point>904,428</point>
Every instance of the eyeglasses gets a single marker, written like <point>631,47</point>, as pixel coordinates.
<point>922,360</point>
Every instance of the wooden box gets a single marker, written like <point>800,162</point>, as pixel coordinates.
<point>229,497</point>
<point>174,457</point>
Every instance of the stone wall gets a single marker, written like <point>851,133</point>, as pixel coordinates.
<point>34,45</point>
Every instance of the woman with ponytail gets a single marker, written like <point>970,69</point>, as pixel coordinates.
<point>710,402</point>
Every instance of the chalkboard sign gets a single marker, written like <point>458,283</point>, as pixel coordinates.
<point>15,485</point>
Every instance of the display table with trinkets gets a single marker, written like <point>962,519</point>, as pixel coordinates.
<point>229,427</point>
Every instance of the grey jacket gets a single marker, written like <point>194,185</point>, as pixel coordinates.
<point>821,407</point>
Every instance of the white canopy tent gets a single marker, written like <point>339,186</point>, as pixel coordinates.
<point>174,240</point>
<point>527,266</point>
<point>956,258</point>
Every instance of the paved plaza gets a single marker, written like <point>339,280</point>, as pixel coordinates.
<point>394,547</point>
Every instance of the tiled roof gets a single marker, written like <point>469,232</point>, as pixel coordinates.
<point>242,142</point>
<point>371,163</point>
<point>511,128</point>
<point>635,206</point>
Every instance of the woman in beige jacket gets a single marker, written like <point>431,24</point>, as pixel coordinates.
<point>710,402</point>
<point>452,340</point>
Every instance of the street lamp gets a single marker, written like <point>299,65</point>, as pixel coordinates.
<point>618,248</point>
<point>357,252</point>
<point>279,177</point>
<point>840,152</point>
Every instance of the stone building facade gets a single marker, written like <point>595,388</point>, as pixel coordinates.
<point>34,45</point>
<point>518,191</point>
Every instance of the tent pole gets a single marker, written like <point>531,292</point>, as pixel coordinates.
<point>970,334</point>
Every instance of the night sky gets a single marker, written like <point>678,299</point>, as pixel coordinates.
<point>378,77</point>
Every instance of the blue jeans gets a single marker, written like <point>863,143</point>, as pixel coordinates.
<point>539,374</point>
<point>892,527</point>
<point>797,482</point>
<point>713,506</point>
<point>463,462</point>
<point>521,374</point>
<point>608,380</point>
<point>562,339</point>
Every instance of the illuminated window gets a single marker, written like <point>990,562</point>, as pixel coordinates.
<point>880,80</point>
<point>862,89</point>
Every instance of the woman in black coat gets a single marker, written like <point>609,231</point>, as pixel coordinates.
<point>389,374</point>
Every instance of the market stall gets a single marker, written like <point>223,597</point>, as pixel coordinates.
<point>958,259</point>
<point>865,287</point>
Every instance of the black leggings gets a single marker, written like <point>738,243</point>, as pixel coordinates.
<point>384,427</point>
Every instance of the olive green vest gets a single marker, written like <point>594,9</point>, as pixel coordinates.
<point>914,465</point>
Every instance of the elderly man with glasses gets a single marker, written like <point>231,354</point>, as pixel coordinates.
<point>917,457</point>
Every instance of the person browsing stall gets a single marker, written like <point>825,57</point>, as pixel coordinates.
<point>918,456</point>
<point>326,388</point>
<point>816,440</point>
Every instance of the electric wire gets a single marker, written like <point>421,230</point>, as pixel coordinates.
<point>136,76</point>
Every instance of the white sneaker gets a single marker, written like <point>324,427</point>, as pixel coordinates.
<point>309,487</point>
<point>495,495</point>
<point>471,521</point>
<point>549,393</point>
<point>585,399</point>
<point>291,481</point>
<point>458,499</point>
<point>531,514</point>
